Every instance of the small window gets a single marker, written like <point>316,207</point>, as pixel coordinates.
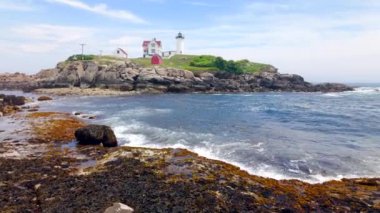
<point>153,45</point>
<point>153,51</point>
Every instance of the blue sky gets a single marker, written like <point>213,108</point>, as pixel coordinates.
<point>322,40</point>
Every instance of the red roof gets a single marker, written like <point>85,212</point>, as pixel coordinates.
<point>146,43</point>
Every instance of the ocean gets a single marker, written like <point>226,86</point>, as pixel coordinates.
<point>313,137</point>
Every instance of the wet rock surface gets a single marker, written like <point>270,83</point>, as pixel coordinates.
<point>44,98</point>
<point>95,135</point>
<point>64,177</point>
<point>127,76</point>
<point>119,207</point>
<point>16,80</point>
<point>10,104</point>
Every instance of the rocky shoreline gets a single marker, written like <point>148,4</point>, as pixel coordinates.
<point>125,76</point>
<point>45,170</point>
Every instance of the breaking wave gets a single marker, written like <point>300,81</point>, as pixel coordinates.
<point>307,136</point>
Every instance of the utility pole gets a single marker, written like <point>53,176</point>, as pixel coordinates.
<point>82,50</point>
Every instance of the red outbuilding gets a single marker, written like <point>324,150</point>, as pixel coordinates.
<point>156,59</point>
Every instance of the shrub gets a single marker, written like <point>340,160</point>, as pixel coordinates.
<point>79,57</point>
<point>220,63</point>
<point>203,61</point>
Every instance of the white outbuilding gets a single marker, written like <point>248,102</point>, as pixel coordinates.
<point>119,52</point>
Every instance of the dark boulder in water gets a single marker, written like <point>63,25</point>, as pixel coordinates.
<point>44,98</point>
<point>95,135</point>
<point>9,104</point>
<point>13,100</point>
<point>332,87</point>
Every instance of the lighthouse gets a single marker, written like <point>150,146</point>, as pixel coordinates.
<point>180,43</point>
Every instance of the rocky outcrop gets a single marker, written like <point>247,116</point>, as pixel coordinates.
<point>95,135</point>
<point>331,87</point>
<point>10,104</point>
<point>127,76</point>
<point>16,81</point>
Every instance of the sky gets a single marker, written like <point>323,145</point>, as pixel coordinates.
<point>322,40</point>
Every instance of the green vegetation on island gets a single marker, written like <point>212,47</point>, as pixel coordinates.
<point>102,60</point>
<point>207,63</point>
<point>194,63</point>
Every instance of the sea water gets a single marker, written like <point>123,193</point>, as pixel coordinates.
<point>308,136</point>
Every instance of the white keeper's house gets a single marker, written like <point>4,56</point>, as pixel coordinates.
<point>152,47</point>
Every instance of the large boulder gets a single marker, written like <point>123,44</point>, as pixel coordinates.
<point>44,98</point>
<point>95,135</point>
<point>119,208</point>
<point>206,76</point>
<point>108,76</point>
<point>70,75</point>
<point>13,100</point>
<point>47,74</point>
<point>176,73</point>
<point>89,75</point>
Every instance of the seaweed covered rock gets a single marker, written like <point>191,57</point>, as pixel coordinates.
<point>95,135</point>
<point>44,98</point>
<point>9,104</point>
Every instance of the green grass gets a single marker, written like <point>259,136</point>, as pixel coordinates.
<point>203,63</point>
<point>102,60</point>
<point>251,67</point>
<point>194,63</point>
<point>178,62</point>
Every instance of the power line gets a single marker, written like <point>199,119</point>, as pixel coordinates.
<point>82,50</point>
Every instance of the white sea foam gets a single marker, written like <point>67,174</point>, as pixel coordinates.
<point>367,90</point>
<point>141,112</point>
<point>357,91</point>
<point>332,94</point>
<point>139,134</point>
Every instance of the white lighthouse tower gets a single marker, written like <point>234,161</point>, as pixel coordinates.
<point>180,43</point>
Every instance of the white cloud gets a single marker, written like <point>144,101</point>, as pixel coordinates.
<point>126,40</point>
<point>130,43</point>
<point>15,6</point>
<point>38,47</point>
<point>45,38</point>
<point>53,33</point>
<point>102,9</point>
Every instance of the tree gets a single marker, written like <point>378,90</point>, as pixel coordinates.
<point>233,67</point>
<point>220,63</point>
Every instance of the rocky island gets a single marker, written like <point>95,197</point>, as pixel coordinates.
<point>138,76</point>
